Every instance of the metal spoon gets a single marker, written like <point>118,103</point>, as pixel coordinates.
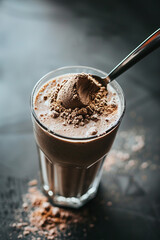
<point>146,47</point>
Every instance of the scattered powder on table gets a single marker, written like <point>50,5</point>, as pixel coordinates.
<point>130,164</point>
<point>33,182</point>
<point>114,157</point>
<point>139,144</point>
<point>125,158</point>
<point>44,219</point>
<point>109,203</point>
<point>144,165</point>
<point>130,144</point>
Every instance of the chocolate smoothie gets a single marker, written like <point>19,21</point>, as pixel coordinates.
<point>77,120</point>
<point>77,117</point>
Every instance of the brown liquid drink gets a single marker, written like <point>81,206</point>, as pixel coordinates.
<point>73,141</point>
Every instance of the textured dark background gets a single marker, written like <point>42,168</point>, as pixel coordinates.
<point>39,36</point>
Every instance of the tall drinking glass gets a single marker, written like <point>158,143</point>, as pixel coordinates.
<point>71,168</point>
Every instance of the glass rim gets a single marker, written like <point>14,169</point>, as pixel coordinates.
<point>73,138</point>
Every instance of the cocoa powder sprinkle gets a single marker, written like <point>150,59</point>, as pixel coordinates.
<point>43,218</point>
<point>81,116</point>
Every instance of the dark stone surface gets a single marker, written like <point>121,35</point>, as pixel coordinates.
<point>39,36</point>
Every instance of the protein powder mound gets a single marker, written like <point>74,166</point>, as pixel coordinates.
<point>44,219</point>
<point>81,116</point>
<point>78,91</point>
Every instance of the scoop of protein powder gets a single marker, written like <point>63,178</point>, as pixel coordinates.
<point>78,91</point>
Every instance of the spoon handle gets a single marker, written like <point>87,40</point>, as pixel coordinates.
<point>147,46</point>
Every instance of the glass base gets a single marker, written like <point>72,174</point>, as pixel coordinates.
<point>72,202</point>
<point>69,186</point>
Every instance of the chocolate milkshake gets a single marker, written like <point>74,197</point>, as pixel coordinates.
<point>75,121</point>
